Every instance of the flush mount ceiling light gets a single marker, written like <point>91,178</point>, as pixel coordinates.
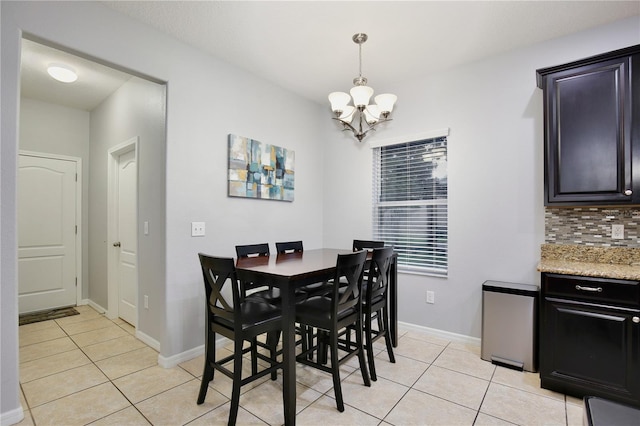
<point>63,73</point>
<point>366,116</point>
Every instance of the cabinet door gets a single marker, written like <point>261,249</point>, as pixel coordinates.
<point>590,350</point>
<point>588,134</point>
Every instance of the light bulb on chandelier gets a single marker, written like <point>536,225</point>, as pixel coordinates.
<point>366,116</point>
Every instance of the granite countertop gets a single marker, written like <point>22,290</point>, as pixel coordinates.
<point>602,262</point>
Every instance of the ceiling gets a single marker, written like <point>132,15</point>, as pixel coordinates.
<point>95,82</point>
<point>306,46</point>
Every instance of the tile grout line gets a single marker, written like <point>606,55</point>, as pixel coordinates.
<point>109,380</point>
<point>326,393</point>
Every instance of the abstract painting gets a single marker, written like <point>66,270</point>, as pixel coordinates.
<point>260,170</point>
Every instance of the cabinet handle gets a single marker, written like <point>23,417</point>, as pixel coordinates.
<point>628,192</point>
<point>594,289</point>
<point>635,319</point>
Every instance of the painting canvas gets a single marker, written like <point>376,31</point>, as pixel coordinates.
<point>260,170</point>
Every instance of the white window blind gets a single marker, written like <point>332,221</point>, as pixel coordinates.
<point>410,203</point>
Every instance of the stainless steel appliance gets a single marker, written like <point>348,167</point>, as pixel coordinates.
<point>509,324</point>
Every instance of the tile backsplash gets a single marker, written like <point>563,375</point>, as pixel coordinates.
<point>591,226</point>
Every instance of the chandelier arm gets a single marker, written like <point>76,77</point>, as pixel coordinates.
<point>350,127</point>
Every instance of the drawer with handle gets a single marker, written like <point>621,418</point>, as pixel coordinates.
<point>589,289</point>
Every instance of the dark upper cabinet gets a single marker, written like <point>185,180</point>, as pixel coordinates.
<point>592,130</point>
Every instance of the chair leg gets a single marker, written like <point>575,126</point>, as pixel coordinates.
<point>335,370</point>
<point>322,347</point>
<point>387,335</point>
<point>304,337</point>
<point>207,376</point>
<point>273,356</point>
<point>363,364</point>
<point>254,355</point>
<point>237,379</point>
<point>273,337</point>
<point>369,347</point>
<point>308,337</point>
<point>209,360</point>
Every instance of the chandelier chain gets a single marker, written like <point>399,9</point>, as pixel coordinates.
<point>360,54</point>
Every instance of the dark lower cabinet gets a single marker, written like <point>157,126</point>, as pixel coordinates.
<point>589,343</point>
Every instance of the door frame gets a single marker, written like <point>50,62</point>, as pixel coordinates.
<point>113,291</point>
<point>78,239</point>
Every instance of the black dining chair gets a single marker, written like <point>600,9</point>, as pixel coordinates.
<point>330,315</point>
<point>289,247</point>
<point>238,319</point>
<point>302,292</point>
<point>366,245</point>
<point>259,290</point>
<point>375,305</point>
<point>308,290</point>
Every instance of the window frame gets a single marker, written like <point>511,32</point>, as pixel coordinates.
<point>427,268</point>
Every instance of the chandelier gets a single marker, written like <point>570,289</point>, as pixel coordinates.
<point>361,117</point>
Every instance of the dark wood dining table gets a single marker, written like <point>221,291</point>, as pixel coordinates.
<point>291,270</point>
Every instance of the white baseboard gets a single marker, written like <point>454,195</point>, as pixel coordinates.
<point>94,305</point>
<point>172,361</point>
<point>11,417</point>
<point>454,337</point>
<point>150,341</point>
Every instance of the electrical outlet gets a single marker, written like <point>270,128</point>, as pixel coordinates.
<point>197,229</point>
<point>431,297</point>
<point>146,301</point>
<point>617,232</point>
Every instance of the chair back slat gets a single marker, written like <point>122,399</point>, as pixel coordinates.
<point>289,247</point>
<point>378,278</point>
<point>251,250</point>
<point>219,273</point>
<point>366,245</point>
<point>349,270</point>
<point>247,250</point>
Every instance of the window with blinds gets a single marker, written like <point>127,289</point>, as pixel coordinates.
<point>410,203</point>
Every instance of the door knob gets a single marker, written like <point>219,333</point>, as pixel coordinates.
<point>635,319</point>
<point>628,192</point>
<point>116,244</point>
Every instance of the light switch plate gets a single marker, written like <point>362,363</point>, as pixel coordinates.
<point>197,229</point>
<point>617,232</point>
<point>431,297</point>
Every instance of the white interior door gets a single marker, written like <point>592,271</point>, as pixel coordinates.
<point>127,242</point>
<point>46,233</point>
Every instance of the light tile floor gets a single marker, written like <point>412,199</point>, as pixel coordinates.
<point>87,369</point>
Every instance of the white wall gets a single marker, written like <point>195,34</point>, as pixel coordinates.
<point>56,129</point>
<point>206,100</point>
<point>492,107</point>
<point>496,214</point>
<point>135,110</point>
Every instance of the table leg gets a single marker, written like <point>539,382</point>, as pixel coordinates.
<point>289,353</point>
<point>393,301</point>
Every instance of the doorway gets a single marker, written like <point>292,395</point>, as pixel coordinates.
<point>89,119</point>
